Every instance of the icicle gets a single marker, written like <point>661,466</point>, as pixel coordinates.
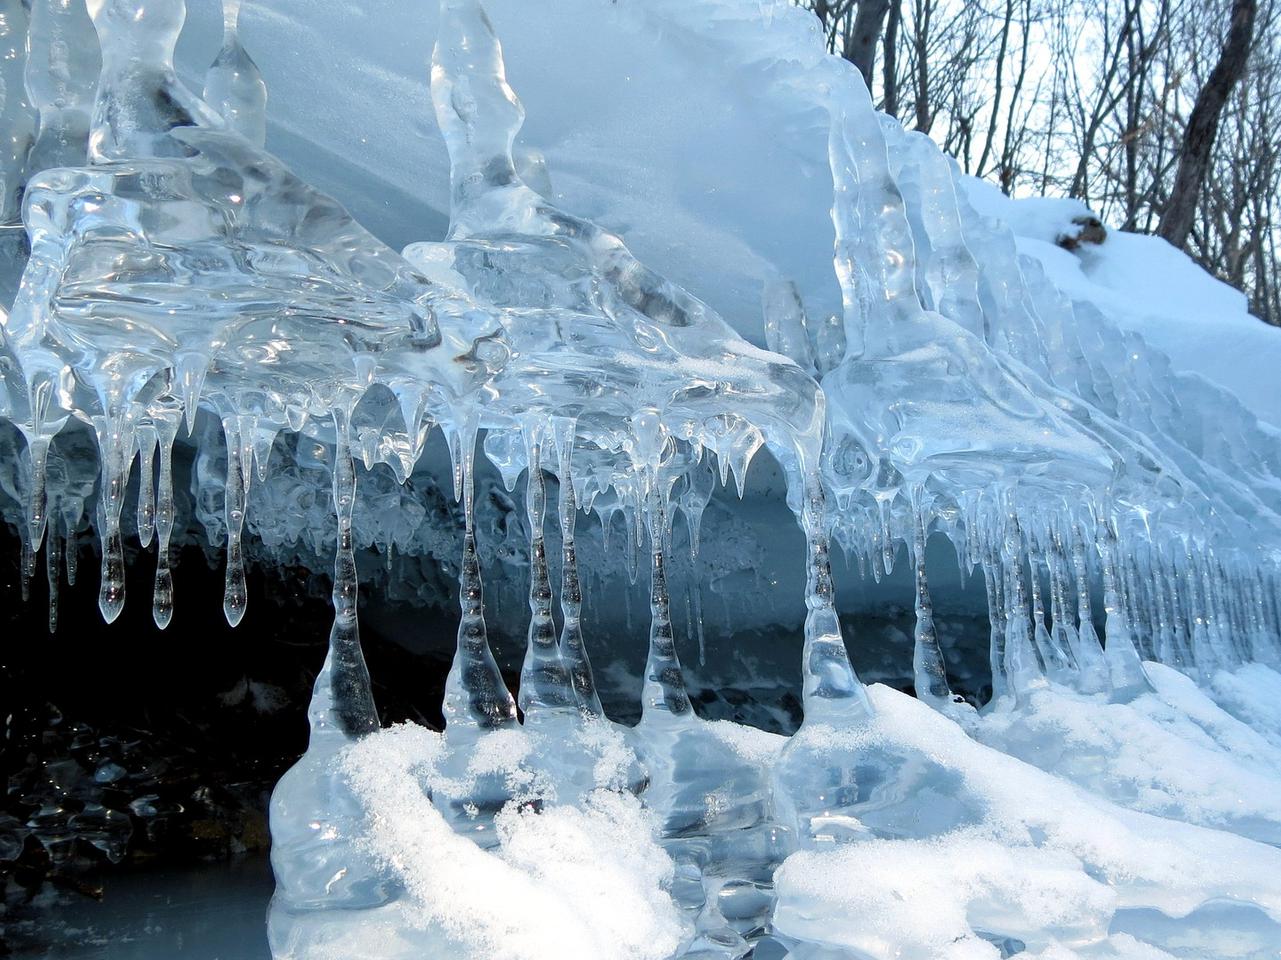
<point>887,539</point>
<point>162,599</point>
<point>342,702</point>
<point>1143,618</point>
<point>61,73</point>
<point>234,85</point>
<point>786,326</point>
<point>829,343</point>
<point>1179,622</point>
<point>15,110</point>
<point>1166,649</point>
<point>190,369</point>
<point>146,482</point>
<point>694,500</point>
<point>1088,652</point>
<point>139,98</point>
<point>37,507</point>
<point>1021,665</point>
<point>831,689</point>
<point>1058,665</point>
<point>476,698</point>
<point>1124,666</point>
<point>996,624</point>
<point>1062,629</point>
<point>235,594</point>
<point>664,686</point>
<point>929,669</point>
<point>72,550</point>
<point>115,447</point>
<point>572,648</point>
<point>52,553</point>
<point>1198,634</point>
<point>546,688</point>
<point>697,589</point>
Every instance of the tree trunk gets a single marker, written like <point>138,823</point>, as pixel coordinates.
<point>860,45</point>
<point>889,59</point>
<point>1203,125</point>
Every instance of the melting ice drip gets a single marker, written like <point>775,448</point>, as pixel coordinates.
<point>169,264</point>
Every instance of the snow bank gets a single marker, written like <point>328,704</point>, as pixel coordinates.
<point>1147,286</point>
<point>1039,860</point>
<point>569,882</point>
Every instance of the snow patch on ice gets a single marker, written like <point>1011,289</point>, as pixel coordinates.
<point>567,882</point>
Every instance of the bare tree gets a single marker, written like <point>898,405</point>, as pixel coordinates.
<point>1141,108</point>
<point>1203,124</point>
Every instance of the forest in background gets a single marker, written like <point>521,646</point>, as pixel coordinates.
<point>1161,115</point>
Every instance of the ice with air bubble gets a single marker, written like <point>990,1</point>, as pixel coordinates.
<point>180,301</point>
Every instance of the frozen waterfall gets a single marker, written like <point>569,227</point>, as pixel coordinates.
<point>172,291</point>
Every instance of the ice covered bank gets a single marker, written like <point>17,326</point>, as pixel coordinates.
<point>176,292</point>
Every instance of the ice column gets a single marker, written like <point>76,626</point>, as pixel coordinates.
<point>476,698</point>
<point>929,669</point>
<point>234,85</point>
<point>546,687</point>
<point>139,98</point>
<point>573,649</point>
<point>62,74</point>
<point>342,703</point>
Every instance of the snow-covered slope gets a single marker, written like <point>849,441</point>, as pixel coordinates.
<point>1142,283</point>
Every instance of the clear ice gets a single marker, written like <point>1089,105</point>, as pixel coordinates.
<point>166,282</point>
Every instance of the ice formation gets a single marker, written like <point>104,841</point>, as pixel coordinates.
<point>165,279</point>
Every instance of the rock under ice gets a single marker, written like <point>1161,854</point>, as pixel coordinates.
<point>167,285</point>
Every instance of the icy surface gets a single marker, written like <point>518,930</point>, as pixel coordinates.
<point>586,342</point>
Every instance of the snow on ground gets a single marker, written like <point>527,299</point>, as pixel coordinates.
<point>1147,286</point>
<point>1173,753</point>
<point>1055,852</point>
<point>1045,862</point>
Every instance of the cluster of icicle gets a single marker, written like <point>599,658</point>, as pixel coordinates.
<point>174,265</point>
<point>170,264</point>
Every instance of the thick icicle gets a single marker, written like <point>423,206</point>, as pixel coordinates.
<point>1088,652</point>
<point>1057,662</point>
<point>996,625</point>
<point>139,99</point>
<point>786,327</point>
<point>929,669</point>
<point>572,648</point>
<point>234,85</point>
<point>1124,666</point>
<point>235,595</point>
<point>1021,664</point>
<point>115,448</point>
<point>62,72</point>
<point>832,692</point>
<point>342,702</point>
<point>546,687</point>
<point>664,685</point>
<point>146,514</point>
<point>476,698</point>
<point>162,593</point>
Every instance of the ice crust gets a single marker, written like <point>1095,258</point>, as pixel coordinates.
<point>170,285</point>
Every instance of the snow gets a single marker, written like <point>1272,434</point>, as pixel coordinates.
<point>1032,856</point>
<point>580,883</point>
<point>1147,286</point>
<point>1039,859</point>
